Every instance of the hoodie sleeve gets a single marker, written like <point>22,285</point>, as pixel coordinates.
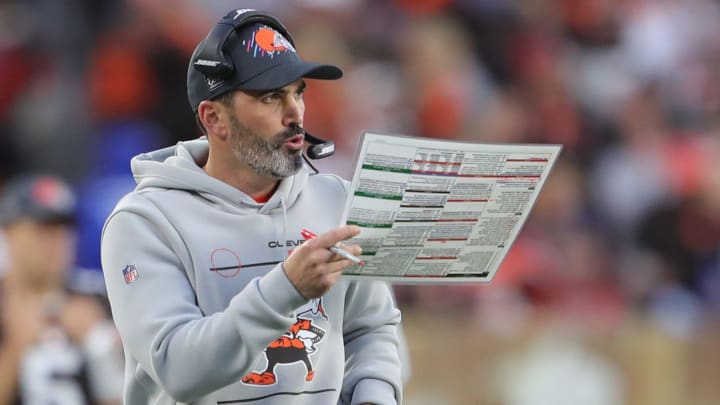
<point>372,362</point>
<point>162,328</point>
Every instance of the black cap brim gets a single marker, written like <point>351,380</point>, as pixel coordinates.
<point>282,75</point>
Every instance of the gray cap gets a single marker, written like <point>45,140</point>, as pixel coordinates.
<point>42,198</point>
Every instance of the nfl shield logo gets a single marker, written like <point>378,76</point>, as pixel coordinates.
<point>130,273</point>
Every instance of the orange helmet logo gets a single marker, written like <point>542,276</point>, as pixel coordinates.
<point>271,41</point>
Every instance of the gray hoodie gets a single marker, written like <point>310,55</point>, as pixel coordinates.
<point>206,313</point>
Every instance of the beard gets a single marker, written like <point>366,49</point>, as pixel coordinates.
<point>265,156</point>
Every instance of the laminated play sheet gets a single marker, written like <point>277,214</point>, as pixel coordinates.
<point>434,211</point>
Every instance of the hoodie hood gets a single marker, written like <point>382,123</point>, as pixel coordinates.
<point>179,167</point>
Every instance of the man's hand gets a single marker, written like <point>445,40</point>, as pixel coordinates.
<point>313,269</point>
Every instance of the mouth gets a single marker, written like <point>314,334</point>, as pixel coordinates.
<point>296,142</point>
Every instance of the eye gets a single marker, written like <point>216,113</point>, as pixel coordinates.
<point>269,98</point>
<point>300,93</point>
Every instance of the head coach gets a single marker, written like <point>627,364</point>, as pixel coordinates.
<point>215,295</point>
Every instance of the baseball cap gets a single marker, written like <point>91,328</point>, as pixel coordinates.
<point>248,50</point>
<point>42,198</point>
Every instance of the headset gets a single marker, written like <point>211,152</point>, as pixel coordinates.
<point>320,149</point>
<point>213,60</point>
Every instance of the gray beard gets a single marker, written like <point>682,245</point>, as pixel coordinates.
<point>265,156</point>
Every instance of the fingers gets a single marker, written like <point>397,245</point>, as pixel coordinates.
<point>313,268</point>
<point>354,250</point>
<point>334,236</point>
<point>321,256</point>
<point>338,266</point>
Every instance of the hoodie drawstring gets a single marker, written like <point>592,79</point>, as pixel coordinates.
<point>284,211</point>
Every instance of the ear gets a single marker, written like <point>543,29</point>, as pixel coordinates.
<point>211,115</point>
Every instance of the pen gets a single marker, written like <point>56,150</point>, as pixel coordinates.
<point>340,252</point>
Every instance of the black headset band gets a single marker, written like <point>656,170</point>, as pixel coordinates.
<point>213,59</point>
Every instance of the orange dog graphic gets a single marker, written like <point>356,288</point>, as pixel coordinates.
<point>290,348</point>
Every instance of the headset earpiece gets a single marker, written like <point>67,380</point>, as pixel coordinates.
<point>211,60</point>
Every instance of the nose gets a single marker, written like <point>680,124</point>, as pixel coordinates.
<point>294,111</point>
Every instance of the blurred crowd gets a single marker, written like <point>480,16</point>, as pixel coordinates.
<point>627,226</point>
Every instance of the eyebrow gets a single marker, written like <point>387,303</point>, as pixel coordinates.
<point>260,93</point>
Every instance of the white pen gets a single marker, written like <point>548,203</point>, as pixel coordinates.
<point>347,255</point>
<point>340,252</point>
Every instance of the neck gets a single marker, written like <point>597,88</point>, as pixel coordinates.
<point>240,176</point>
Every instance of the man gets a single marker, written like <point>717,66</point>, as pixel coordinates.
<point>216,298</point>
<point>57,344</point>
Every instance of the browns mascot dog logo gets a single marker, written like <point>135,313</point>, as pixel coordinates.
<point>271,41</point>
<point>294,346</point>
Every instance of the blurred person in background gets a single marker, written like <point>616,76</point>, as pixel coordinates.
<point>215,295</point>
<point>57,343</point>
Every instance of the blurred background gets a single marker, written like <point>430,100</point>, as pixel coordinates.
<point>610,295</point>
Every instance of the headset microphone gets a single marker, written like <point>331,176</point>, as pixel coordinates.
<point>320,148</point>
